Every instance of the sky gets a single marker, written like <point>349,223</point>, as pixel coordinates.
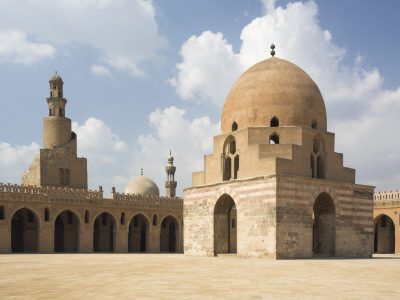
<point>145,77</point>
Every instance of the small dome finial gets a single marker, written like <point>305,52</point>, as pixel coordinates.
<point>272,50</point>
<point>141,171</point>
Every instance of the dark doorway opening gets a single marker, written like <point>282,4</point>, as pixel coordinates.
<point>225,225</point>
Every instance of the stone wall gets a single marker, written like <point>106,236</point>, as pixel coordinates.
<point>275,216</point>
<point>256,219</point>
<point>353,205</point>
<point>86,206</point>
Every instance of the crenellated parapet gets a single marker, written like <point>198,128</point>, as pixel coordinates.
<point>146,198</point>
<point>83,197</point>
<point>387,195</point>
<point>387,199</point>
<point>52,191</point>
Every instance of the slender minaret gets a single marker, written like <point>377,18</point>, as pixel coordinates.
<point>56,127</point>
<point>170,184</point>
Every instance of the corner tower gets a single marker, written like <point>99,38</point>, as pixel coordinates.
<point>57,164</point>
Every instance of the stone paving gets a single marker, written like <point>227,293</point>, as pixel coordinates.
<point>177,276</point>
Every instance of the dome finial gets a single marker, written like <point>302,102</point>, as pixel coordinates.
<point>272,49</point>
<point>141,171</point>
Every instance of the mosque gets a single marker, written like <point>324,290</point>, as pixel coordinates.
<point>273,187</point>
<point>53,210</point>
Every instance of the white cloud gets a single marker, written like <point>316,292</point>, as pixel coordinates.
<point>100,71</point>
<point>370,142</point>
<point>108,156</point>
<point>97,141</point>
<point>363,115</point>
<point>16,48</point>
<point>189,141</point>
<point>209,67</point>
<point>15,160</point>
<point>123,32</point>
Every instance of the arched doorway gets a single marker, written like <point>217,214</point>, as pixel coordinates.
<point>66,232</point>
<point>225,223</point>
<point>324,227</point>
<point>169,235</point>
<point>384,240</point>
<point>103,233</point>
<point>138,237</point>
<point>24,231</point>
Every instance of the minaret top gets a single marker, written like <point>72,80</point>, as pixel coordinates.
<point>272,50</point>
<point>56,77</point>
<point>170,159</point>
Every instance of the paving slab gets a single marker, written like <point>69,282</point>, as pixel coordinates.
<point>178,276</point>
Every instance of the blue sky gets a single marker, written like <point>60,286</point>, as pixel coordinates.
<point>144,77</point>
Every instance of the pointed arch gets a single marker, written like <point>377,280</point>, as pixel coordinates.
<point>234,126</point>
<point>66,232</point>
<point>138,236</point>
<point>318,160</point>
<point>384,234</point>
<point>104,227</point>
<point>225,228</point>
<point>169,235</point>
<point>230,159</point>
<point>274,122</point>
<point>24,231</point>
<point>314,124</point>
<point>324,225</point>
<point>274,139</point>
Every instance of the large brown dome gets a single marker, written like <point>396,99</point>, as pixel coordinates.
<point>273,88</point>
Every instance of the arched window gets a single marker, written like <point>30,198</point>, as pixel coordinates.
<point>155,220</point>
<point>230,159</point>
<point>235,166</point>
<point>135,221</point>
<point>123,218</point>
<point>232,147</point>
<point>66,177</point>
<point>1,212</point>
<point>233,223</point>
<point>46,215</point>
<point>318,157</point>
<point>87,217</point>
<point>274,139</point>
<point>234,126</point>
<point>314,124</point>
<point>274,122</point>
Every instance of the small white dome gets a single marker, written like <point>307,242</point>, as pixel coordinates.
<point>142,185</point>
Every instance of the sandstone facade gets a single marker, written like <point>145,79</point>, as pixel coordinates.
<point>274,186</point>
<point>53,211</point>
<point>387,222</point>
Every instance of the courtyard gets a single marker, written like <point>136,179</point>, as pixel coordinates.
<point>178,276</point>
